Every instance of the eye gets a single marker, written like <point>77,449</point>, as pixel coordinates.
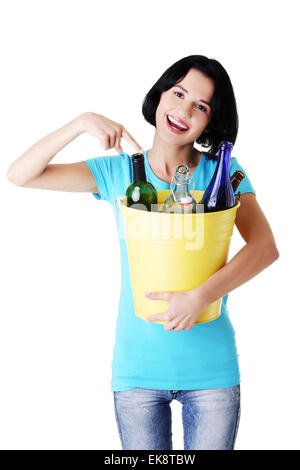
<point>199,106</point>
<point>203,108</point>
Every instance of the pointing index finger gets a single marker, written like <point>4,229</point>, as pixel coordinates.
<point>131,141</point>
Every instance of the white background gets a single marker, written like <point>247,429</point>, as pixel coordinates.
<point>59,252</point>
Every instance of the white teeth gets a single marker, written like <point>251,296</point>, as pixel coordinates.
<point>176,122</point>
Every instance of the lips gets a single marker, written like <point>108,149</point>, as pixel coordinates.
<point>178,120</point>
<point>174,128</point>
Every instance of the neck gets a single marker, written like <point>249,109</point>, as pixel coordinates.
<point>166,157</point>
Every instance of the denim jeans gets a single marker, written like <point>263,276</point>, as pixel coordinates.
<point>210,418</point>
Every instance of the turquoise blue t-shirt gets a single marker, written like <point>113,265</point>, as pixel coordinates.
<point>145,355</point>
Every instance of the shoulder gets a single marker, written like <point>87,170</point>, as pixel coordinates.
<point>234,164</point>
<point>213,162</point>
<point>209,167</point>
<point>120,159</point>
<point>110,163</point>
<point>110,167</point>
<point>246,185</point>
<point>112,174</point>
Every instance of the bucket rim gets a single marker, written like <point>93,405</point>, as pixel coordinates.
<point>120,204</point>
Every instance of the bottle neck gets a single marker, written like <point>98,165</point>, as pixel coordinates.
<point>236,179</point>
<point>139,173</point>
<point>223,165</point>
<point>181,188</point>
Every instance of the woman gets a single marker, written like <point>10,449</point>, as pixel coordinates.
<point>154,363</point>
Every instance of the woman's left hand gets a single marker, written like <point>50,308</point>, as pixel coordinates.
<point>183,310</point>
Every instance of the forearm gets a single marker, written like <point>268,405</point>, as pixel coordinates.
<point>33,162</point>
<point>247,263</point>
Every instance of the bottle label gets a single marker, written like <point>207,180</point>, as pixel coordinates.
<point>136,194</point>
<point>186,201</point>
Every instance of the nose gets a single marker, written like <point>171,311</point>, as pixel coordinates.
<point>186,110</point>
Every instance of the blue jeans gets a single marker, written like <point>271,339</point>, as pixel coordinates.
<point>210,418</point>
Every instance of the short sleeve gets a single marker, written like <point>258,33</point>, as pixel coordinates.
<point>245,186</point>
<point>112,175</point>
<point>97,169</point>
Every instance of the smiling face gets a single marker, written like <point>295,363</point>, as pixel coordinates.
<point>186,104</point>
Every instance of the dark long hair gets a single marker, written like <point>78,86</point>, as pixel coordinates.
<point>224,116</point>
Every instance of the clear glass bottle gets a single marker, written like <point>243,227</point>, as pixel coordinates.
<point>180,200</point>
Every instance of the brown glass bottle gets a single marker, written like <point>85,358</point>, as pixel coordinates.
<point>236,178</point>
<point>237,197</point>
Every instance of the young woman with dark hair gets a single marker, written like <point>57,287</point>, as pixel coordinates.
<point>223,111</point>
<point>196,364</point>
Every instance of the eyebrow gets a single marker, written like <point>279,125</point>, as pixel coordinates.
<point>203,101</point>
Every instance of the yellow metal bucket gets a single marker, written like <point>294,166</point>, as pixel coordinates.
<point>174,252</point>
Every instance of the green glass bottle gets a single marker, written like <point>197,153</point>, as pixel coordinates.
<point>140,194</point>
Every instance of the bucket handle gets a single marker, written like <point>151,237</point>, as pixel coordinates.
<point>190,179</point>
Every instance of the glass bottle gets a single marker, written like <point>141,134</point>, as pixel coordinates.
<point>219,195</point>
<point>180,200</point>
<point>236,179</point>
<point>140,194</point>
<point>237,197</point>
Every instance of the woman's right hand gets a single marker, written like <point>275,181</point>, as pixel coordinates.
<point>108,132</point>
